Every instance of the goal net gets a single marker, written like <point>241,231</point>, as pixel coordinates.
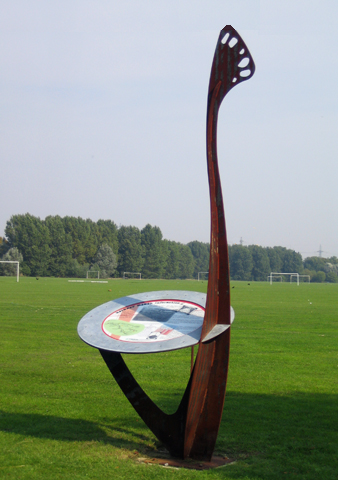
<point>303,278</point>
<point>284,274</point>
<point>93,274</point>
<point>12,269</point>
<point>129,275</point>
<point>275,278</point>
<point>202,276</point>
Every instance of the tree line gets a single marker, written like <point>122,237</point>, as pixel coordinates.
<point>71,246</point>
<point>254,262</point>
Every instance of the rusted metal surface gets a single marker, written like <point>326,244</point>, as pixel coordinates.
<point>191,432</point>
<point>209,377</point>
<point>192,359</point>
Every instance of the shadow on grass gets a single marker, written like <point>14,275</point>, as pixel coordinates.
<point>268,435</point>
<point>120,433</point>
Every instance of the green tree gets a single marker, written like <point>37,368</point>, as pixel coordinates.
<point>12,255</point>
<point>315,263</point>
<point>289,261</point>
<point>318,277</point>
<point>241,264</point>
<point>185,262</point>
<point>292,262</point>
<point>130,253</point>
<point>180,261</point>
<point>153,251</point>
<point>306,271</point>
<point>276,263</point>
<point>31,236</point>
<point>105,261</point>
<point>261,263</point>
<point>84,238</point>
<point>60,245</point>
<point>331,277</point>
<point>331,267</point>
<point>201,253</point>
<point>4,246</point>
<point>76,270</point>
<point>107,232</point>
<point>173,254</point>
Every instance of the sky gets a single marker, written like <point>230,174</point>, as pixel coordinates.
<point>103,111</point>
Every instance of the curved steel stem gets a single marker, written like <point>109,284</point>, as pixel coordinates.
<point>192,430</point>
<point>211,367</point>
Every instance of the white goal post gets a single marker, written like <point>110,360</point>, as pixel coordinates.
<point>133,274</point>
<point>199,275</point>
<point>17,267</point>
<point>284,273</point>
<point>93,271</point>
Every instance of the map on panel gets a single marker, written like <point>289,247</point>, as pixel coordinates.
<point>153,321</point>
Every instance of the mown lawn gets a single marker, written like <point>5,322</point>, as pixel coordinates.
<point>63,417</point>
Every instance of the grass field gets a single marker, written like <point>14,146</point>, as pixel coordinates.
<point>62,416</point>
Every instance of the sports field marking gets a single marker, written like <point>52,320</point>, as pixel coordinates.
<point>88,281</point>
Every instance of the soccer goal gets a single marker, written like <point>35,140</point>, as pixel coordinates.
<point>17,266</point>
<point>272,274</point>
<point>275,278</point>
<point>96,274</point>
<point>129,275</point>
<point>202,276</point>
<point>304,277</point>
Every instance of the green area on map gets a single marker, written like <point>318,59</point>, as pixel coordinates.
<point>120,328</point>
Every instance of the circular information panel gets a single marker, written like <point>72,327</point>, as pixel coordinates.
<point>153,321</point>
<point>145,322</point>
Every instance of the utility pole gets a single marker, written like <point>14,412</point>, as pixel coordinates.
<point>241,241</point>
<point>320,251</point>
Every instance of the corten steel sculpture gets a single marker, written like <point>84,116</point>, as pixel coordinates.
<point>192,430</point>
